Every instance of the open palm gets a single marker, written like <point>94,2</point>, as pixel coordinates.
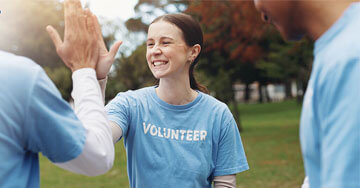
<point>106,58</point>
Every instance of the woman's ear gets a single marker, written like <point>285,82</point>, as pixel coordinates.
<point>194,52</point>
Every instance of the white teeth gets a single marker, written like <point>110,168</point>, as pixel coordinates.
<point>159,63</point>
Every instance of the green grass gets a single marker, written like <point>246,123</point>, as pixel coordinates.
<point>271,142</point>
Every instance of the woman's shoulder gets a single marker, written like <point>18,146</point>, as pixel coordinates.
<point>217,107</point>
<point>213,102</point>
<point>134,95</point>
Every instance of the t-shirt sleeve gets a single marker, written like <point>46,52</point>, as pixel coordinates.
<point>231,157</point>
<point>51,126</point>
<point>118,111</point>
<point>340,126</point>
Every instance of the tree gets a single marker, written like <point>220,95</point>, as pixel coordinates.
<point>23,29</point>
<point>61,76</point>
<point>287,62</point>
<point>233,32</point>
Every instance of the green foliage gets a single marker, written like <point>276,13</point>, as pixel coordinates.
<point>23,29</point>
<point>61,77</point>
<point>131,72</point>
<point>287,60</point>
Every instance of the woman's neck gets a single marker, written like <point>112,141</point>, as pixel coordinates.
<point>176,91</point>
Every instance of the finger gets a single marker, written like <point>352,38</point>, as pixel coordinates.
<point>90,25</point>
<point>67,16</point>
<point>114,49</point>
<point>82,20</point>
<point>99,36</point>
<point>74,13</point>
<point>77,5</point>
<point>54,35</point>
<point>97,26</point>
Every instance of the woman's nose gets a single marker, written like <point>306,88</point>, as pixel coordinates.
<point>156,50</point>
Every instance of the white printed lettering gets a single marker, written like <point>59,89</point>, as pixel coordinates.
<point>168,133</point>
<point>146,128</point>
<point>182,132</point>
<point>196,136</point>
<point>189,135</point>
<point>159,132</point>
<point>175,134</point>
<point>203,135</point>
<point>153,130</point>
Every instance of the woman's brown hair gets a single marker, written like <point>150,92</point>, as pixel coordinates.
<point>192,35</point>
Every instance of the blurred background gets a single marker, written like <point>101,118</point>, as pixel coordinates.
<point>244,63</point>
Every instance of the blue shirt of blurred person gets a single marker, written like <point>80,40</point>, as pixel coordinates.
<point>330,121</point>
<point>33,118</point>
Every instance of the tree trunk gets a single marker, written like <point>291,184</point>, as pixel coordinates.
<point>299,93</point>
<point>247,92</point>
<point>260,93</point>
<point>288,89</point>
<point>236,114</point>
<point>267,95</point>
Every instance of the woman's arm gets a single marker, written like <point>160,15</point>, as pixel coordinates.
<point>116,130</point>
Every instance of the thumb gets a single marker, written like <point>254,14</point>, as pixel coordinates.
<point>115,48</point>
<point>54,35</point>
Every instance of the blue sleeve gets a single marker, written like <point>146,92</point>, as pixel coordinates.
<point>340,126</point>
<point>51,125</point>
<point>231,157</point>
<point>118,111</point>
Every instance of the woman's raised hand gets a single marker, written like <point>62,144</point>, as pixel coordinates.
<point>80,48</point>
<point>106,58</point>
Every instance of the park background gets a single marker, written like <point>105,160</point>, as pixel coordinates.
<point>244,63</point>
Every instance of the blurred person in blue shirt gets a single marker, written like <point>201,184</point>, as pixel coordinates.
<point>330,120</point>
<point>34,118</point>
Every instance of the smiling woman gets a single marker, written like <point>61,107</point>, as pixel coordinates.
<point>190,139</point>
<point>173,131</point>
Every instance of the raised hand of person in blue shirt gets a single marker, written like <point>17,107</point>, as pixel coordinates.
<point>82,28</point>
<point>80,46</point>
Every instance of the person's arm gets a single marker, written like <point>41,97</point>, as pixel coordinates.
<point>102,83</point>
<point>305,183</point>
<point>116,130</point>
<point>80,52</point>
<point>231,157</point>
<point>339,129</point>
<point>227,181</point>
<point>98,153</point>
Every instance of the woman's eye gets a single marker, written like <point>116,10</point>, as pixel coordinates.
<point>166,42</point>
<point>150,44</point>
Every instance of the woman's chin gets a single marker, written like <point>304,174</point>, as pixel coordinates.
<point>159,75</point>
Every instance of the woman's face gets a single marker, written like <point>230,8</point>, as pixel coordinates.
<point>167,53</point>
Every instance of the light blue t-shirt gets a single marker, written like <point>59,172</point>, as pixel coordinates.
<point>33,118</point>
<point>176,145</point>
<point>330,121</point>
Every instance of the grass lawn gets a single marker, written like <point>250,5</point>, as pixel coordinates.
<point>271,142</point>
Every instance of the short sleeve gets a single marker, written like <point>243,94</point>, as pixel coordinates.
<point>340,126</point>
<point>118,111</point>
<point>51,125</point>
<point>231,157</point>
